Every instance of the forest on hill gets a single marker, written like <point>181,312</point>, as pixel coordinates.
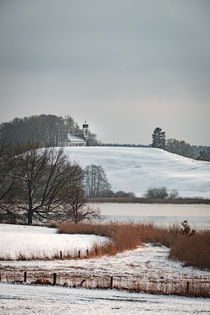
<point>180,147</point>
<point>45,130</point>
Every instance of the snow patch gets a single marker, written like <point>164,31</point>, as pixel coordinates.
<point>42,241</point>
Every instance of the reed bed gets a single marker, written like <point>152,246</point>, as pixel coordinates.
<point>191,248</point>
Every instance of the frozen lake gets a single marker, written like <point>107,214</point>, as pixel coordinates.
<point>28,299</point>
<point>164,214</point>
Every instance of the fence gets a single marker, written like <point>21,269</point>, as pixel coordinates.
<point>191,287</point>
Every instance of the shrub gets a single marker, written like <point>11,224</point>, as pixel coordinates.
<point>158,193</point>
<point>173,194</point>
<point>161,193</point>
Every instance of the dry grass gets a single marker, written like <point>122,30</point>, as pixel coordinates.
<point>123,236</point>
<point>178,200</point>
<point>193,250</point>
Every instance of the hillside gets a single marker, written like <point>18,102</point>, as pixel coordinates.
<point>137,169</point>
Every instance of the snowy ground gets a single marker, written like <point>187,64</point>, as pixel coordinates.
<point>146,265</point>
<point>137,169</point>
<point>41,241</point>
<point>23,299</point>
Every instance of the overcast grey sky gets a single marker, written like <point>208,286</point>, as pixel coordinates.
<point>127,66</point>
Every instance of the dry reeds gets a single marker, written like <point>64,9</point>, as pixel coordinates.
<point>192,249</point>
<point>123,236</point>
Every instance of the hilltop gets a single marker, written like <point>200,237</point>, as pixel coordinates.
<point>137,169</point>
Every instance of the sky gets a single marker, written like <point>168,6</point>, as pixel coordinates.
<point>125,66</point>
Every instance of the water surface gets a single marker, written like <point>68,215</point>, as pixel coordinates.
<point>162,214</point>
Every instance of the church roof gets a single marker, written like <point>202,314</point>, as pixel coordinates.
<point>75,139</point>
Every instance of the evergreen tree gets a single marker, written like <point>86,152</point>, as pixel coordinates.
<point>203,156</point>
<point>158,138</point>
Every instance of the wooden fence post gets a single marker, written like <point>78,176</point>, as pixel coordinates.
<point>25,276</point>
<point>61,255</point>
<point>188,287</point>
<point>79,254</point>
<point>96,251</point>
<point>82,282</point>
<point>111,282</point>
<point>54,278</point>
<point>87,253</point>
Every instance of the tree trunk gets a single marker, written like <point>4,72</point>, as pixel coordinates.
<point>30,215</point>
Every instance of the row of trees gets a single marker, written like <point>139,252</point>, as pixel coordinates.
<point>47,130</point>
<point>179,146</point>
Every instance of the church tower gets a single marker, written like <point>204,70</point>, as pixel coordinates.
<point>85,130</point>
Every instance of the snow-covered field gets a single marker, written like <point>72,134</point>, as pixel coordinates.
<point>41,241</point>
<point>23,299</point>
<point>137,169</point>
<point>148,265</point>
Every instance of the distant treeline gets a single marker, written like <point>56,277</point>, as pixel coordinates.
<point>145,200</point>
<point>179,147</point>
<point>125,145</point>
<point>46,130</point>
<point>196,152</point>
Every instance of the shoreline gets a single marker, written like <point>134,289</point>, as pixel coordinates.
<point>148,200</point>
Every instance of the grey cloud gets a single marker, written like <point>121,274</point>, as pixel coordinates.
<point>116,53</point>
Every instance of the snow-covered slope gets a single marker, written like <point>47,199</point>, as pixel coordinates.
<point>137,169</point>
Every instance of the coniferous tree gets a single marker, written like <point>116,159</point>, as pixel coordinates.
<point>158,138</point>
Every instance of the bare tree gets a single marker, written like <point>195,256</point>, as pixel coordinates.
<point>6,181</point>
<point>76,210</point>
<point>95,181</point>
<point>40,177</point>
<point>7,213</point>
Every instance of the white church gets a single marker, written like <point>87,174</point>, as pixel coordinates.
<point>75,141</point>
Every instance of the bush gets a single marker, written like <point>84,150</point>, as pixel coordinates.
<point>157,193</point>
<point>173,194</point>
<point>161,193</point>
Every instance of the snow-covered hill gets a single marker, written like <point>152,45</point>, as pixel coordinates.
<point>137,169</point>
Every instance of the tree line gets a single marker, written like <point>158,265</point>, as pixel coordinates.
<point>46,130</point>
<point>179,147</point>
